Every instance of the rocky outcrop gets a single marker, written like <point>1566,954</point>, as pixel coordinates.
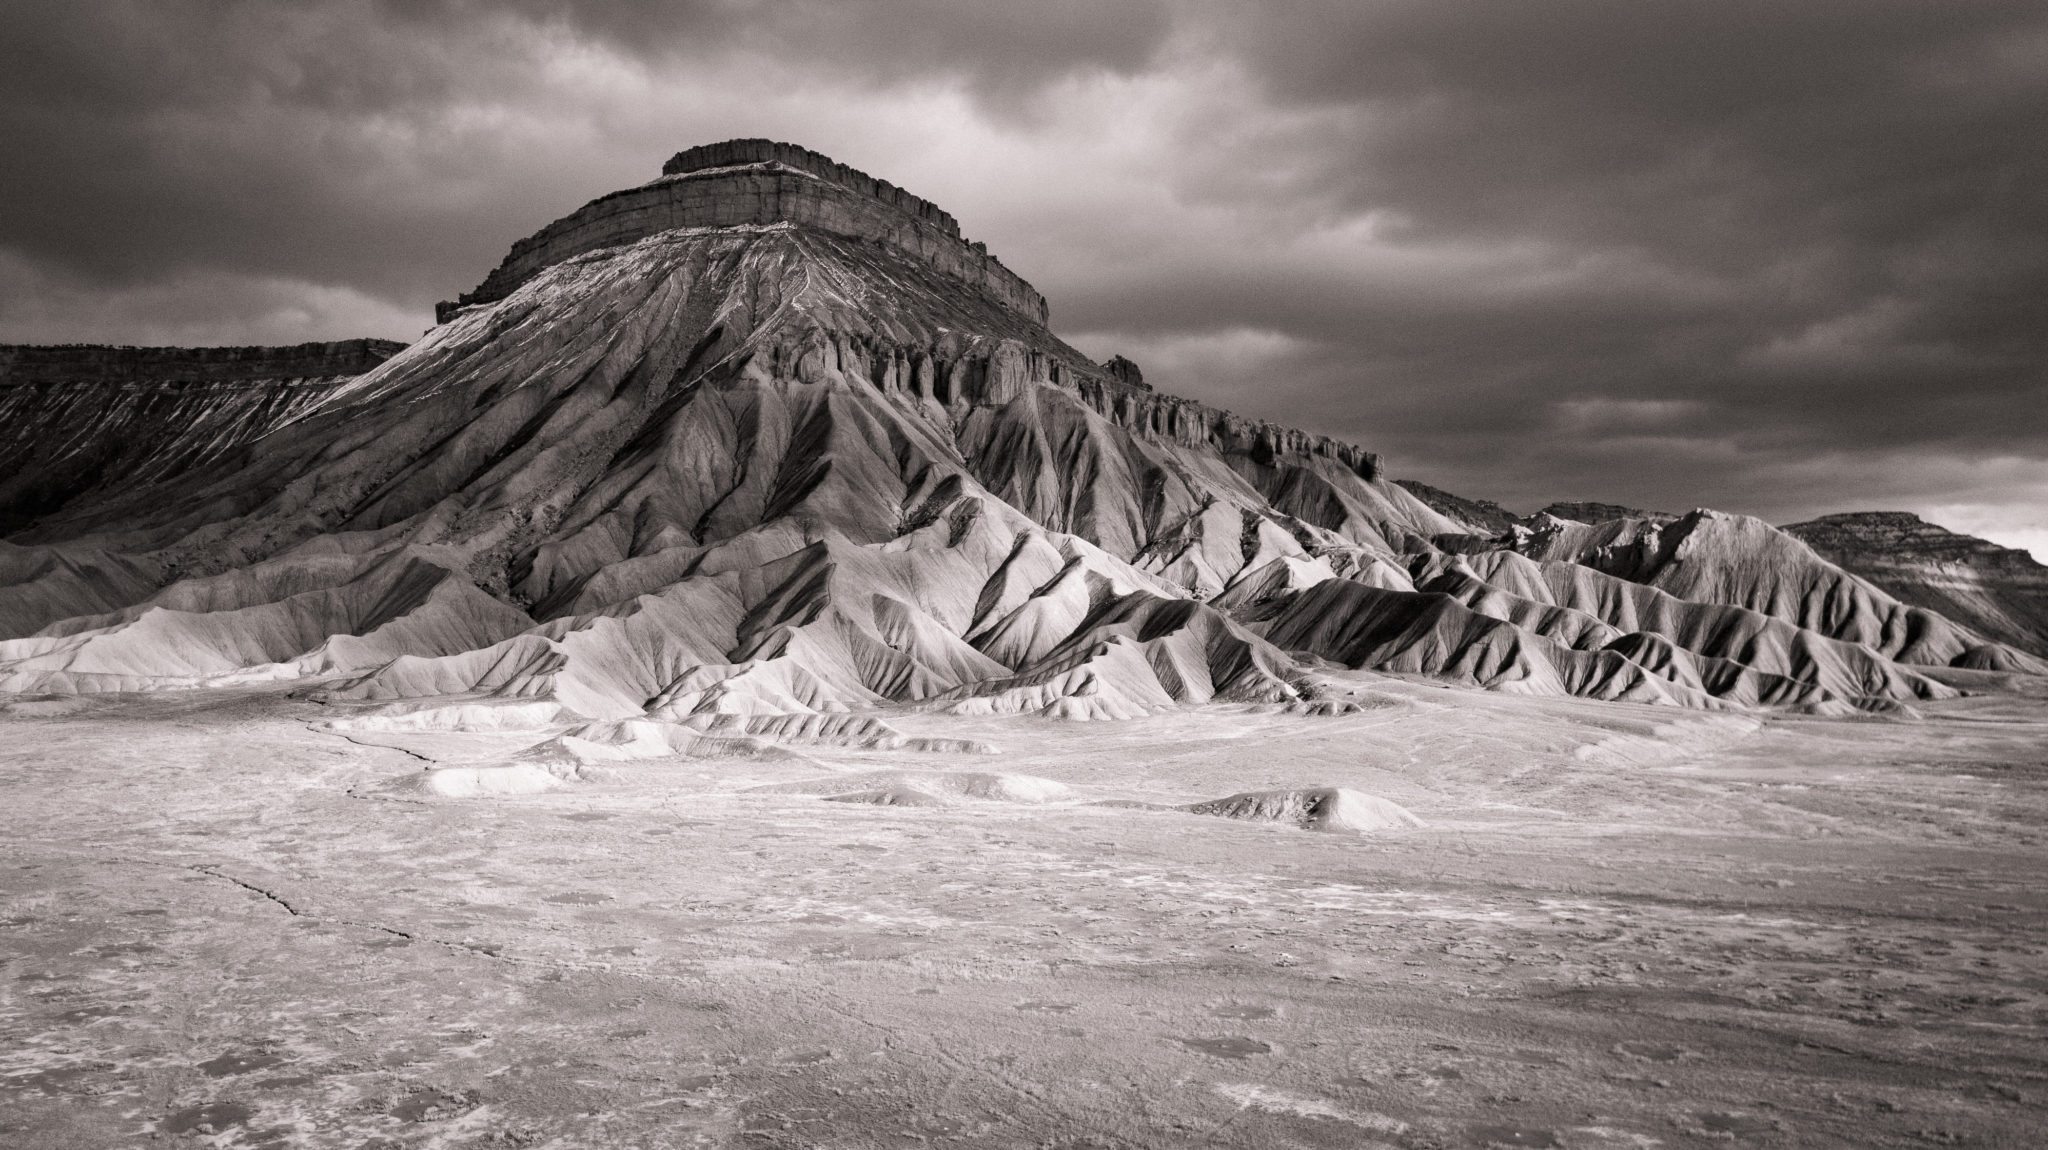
<point>1184,421</point>
<point>1125,372</point>
<point>755,183</point>
<point>2000,591</point>
<point>1903,537</point>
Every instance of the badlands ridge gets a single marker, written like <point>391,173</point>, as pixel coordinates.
<point>765,443</point>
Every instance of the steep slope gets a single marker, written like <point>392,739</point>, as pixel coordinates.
<point>1999,591</point>
<point>766,437</point>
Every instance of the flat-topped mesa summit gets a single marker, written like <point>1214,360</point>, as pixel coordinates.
<point>741,183</point>
<point>2000,591</point>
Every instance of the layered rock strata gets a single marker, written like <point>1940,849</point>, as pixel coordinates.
<point>742,183</point>
<point>2000,591</point>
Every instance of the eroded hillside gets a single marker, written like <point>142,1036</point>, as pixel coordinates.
<point>767,438</point>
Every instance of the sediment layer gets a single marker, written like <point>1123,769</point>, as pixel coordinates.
<point>756,183</point>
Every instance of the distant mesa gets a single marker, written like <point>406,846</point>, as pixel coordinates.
<point>27,365</point>
<point>1902,536</point>
<point>1592,512</point>
<point>1490,517</point>
<point>76,417</point>
<point>2000,591</point>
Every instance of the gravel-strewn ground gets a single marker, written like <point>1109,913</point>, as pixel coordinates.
<point>1622,927</point>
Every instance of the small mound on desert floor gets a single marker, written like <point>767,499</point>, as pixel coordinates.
<point>833,730</point>
<point>892,796</point>
<point>1999,657</point>
<point>1312,808</point>
<point>621,740</point>
<point>44,706</point>
<point>482,782</point>
<point>1327,708</point>
<point>465,717</point>
<point>1001,788</point>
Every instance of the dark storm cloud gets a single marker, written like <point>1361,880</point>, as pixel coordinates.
<point>290,140</point>
<point>991,45</point>
<point>1827,219</point>
<point>999,49</point>
<point>1780,258</point>
<point>161,138</point>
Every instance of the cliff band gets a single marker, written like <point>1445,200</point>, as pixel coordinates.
<point>760,182</point>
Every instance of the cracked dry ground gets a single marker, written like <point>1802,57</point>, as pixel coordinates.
<point>221,927</point>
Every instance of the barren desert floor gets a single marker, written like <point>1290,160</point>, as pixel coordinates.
<point>1622,926</point>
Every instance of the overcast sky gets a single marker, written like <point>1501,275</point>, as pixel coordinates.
<point>1773,257</point>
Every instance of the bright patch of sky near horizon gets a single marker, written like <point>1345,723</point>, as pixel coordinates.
<point>1776,259</point>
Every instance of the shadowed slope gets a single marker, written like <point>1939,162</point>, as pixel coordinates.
<point>77,419</point>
